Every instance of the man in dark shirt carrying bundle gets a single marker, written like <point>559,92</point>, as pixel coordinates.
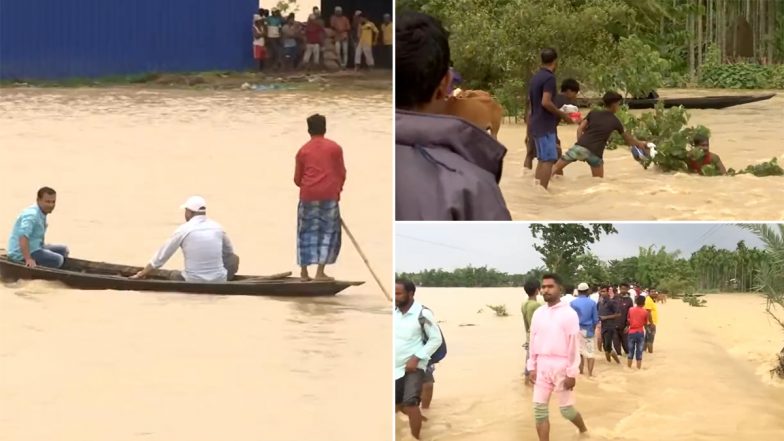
<point>592,136</point>
<point>544,116</point>
<point>569,90</point>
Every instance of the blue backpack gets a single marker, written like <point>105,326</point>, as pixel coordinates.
<point>440,353</point>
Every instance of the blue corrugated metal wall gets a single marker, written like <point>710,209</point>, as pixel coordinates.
<point>50,39</point>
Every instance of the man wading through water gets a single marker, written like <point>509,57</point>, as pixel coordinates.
<point>445,167</point>
<point>544,116</point>
<point>529,307</point>
<point>320,175</point>
<point>411,352</point>
<point>554,361</point>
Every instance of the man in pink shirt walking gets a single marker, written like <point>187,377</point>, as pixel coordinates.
<point>554,361</point>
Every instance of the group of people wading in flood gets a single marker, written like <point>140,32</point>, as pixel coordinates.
<point>562,335</point>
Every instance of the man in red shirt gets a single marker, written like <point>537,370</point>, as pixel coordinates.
<point>319,174</point>
<point>314,36</point>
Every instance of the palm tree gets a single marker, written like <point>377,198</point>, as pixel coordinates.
<point>770,279</point>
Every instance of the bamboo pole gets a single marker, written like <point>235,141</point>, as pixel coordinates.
<point>772,10</point>
<point>365,259</point>
<point>690,27</point>
<point>699,35</point>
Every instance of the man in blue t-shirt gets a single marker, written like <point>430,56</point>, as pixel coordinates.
<point>543,115</point>
<point>589,318</point>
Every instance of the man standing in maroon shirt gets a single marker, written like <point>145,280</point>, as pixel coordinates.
<point>319,174</point>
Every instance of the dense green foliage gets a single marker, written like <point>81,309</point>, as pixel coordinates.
<point>707,270</point>
<point>743,75</point>
<point>633,46</point>
<point>561,245</point>
<point>769,280</point>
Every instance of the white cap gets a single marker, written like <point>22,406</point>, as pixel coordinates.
<point>358,13</point>
<point>195,203</point>
<point>583,287</point>
<point>338,9</point>
<point>256,17</point>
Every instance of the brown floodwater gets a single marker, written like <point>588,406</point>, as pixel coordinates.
<point>707,379</point>
<point>741,135</point>
<point>106,365</point>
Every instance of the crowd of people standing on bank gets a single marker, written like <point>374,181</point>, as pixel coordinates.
<point>563,332</point>
<point>283,43</point>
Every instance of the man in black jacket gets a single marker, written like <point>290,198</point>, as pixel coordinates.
<point>445,167</point>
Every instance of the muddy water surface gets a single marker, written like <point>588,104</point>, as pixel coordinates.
<point>87,366</point>
<point>741,135</point>
<point>706,381</point>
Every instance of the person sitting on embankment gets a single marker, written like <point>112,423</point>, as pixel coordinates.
<point>209,254</point>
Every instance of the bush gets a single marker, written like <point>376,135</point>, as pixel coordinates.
<point>636,68</point>
<point>739,75</point>
<point>736,76</point>
<point>500,310</point>
<point>677,287</point>
<point>770,168</point>
<point>667,129</point>
<point>695,301</point>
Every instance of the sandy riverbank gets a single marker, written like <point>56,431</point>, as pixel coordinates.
<point>706,381</point>
<point>345,81</point>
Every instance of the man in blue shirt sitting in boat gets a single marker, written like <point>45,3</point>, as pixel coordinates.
<point>27,242</point>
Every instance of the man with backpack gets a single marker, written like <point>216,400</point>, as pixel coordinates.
<point>418,345</point>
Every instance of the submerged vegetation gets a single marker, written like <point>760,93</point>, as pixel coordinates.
<point>667,128</point>
<point>500,310</point>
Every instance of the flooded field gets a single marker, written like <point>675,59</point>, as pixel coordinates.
<point>742,135</point>
<point>707,379</point>
<point>91,366</point>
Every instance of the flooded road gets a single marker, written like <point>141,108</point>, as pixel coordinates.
<point>706,381</point>
<point>741,135</point>
<point>77,365</point>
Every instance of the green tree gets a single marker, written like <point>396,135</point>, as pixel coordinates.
<point>770,279</point>
<point>621,271</point>
<point>592,270</point>
<point>561,245</point>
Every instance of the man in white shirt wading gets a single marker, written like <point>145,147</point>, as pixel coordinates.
<point>411,352</point>
<point>209,255</point>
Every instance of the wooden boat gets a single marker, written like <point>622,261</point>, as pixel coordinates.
<point>86,274</point>
<point>706,102</point>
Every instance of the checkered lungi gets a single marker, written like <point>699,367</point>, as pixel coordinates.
<point>318,232</point>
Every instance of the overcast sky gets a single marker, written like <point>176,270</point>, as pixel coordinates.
<point>508,246</point>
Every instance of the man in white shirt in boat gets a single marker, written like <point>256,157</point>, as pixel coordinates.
<point>209,254</point>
